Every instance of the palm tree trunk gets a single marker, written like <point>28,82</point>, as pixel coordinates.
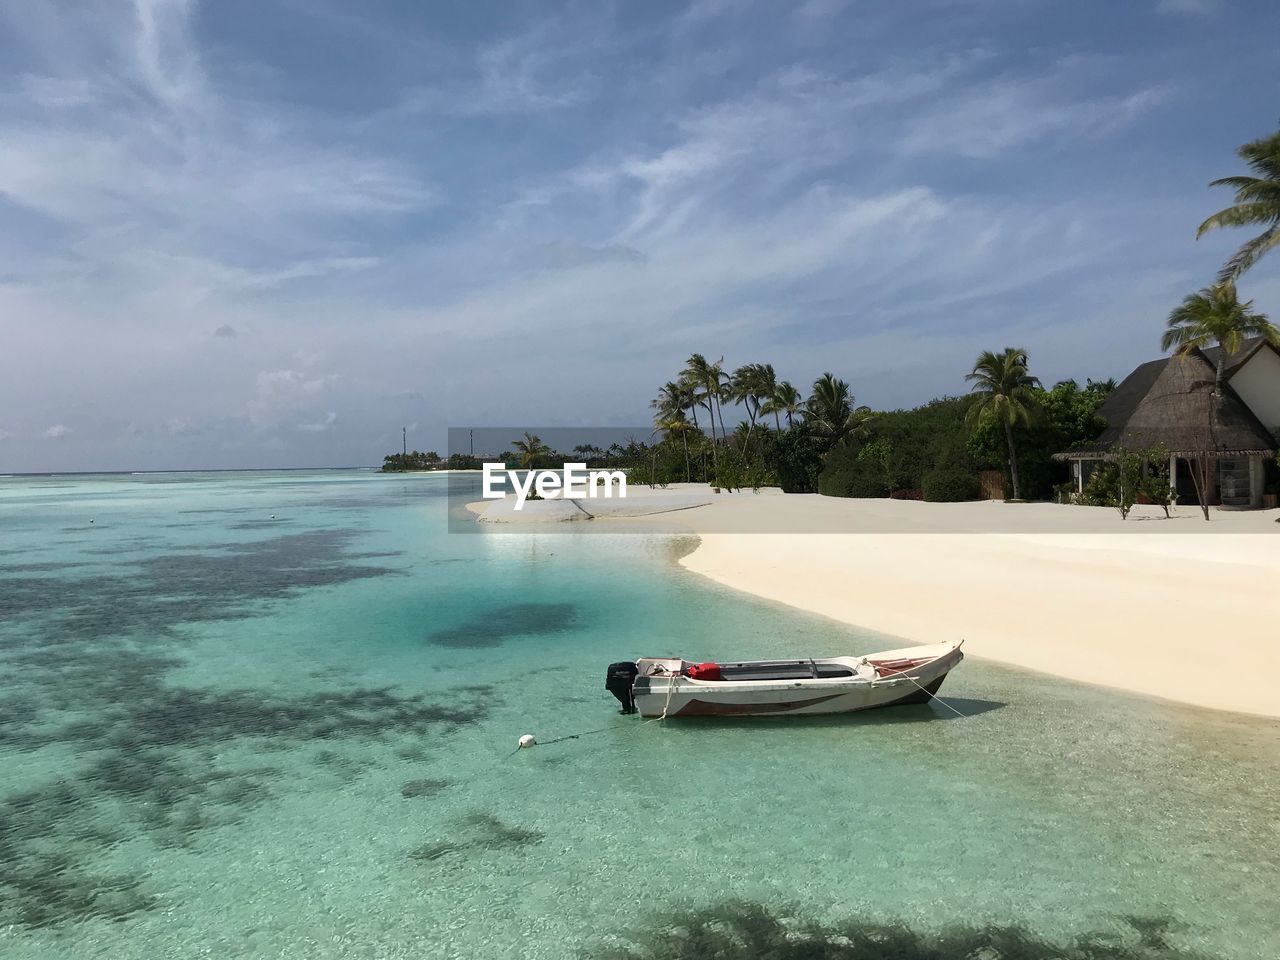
<point>1201,477</point>
<point>684,435</point>
<point>777,421</point>
<point>1202,472</point>
<point>711,415</point>
<point>752,412</point>
<point>1013,461</point>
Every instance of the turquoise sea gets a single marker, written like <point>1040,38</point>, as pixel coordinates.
<point>274,715</point>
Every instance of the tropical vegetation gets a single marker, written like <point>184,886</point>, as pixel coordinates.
<point>1257,203</point>
<point>1003,390</point>
<point>824,441</point>
<point>414,460</point>
<point>1215,317</point>
<point>783,439</point>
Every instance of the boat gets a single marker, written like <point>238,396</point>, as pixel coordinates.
<point>671,687</point>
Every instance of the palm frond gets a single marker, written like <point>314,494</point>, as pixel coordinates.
<point>1002,387</point>
<point>1251,189</point>
<point>1212,315</point>
<point>1249,254</point>
<point>1241,215</point>
<point>1257,202</point>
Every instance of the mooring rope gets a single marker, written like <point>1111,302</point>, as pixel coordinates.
<point>925,690</point>
<point>572,736</point>
<point>671,689</point>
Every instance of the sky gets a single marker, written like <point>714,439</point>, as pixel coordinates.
<point>270,233</point>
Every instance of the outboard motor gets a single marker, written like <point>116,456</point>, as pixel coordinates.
<point>619,681</point>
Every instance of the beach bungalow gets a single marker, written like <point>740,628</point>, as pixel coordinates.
<point>1169,403</point>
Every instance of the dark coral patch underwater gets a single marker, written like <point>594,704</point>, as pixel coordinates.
<point>479,831</point>
<point>90,656</point>
<point>498,624</point>
<point>153,595</point>
<point>750,931</point>
<point>428,787</point>
<point>157,774</point>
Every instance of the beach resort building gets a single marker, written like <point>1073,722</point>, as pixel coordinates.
<point>1169,403</point>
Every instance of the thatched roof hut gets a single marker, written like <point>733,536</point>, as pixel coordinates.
<point>1170,403</point>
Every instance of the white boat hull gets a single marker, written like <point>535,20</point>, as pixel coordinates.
<point>909,675</point>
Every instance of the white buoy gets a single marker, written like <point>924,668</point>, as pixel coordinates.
<point>273,516</point>
<point>527,741</point>
<point>91,521</point>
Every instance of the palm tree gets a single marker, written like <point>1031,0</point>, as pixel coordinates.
<point>751,385</point>
<point>670,406</point>
<point>708,380</point>
<point>1003,388</point>
<point>671,399</point>
<point>722,391</point>
<point>830,410</point>
<point>742,389</point>
<point>1215,315</point>
<point>1257,203</point>
<point>766,386</point>
<point>786,399</point>
<point>750,440</point>
<point>530,447</point>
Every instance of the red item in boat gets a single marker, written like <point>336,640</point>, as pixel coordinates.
<point>705,671</point>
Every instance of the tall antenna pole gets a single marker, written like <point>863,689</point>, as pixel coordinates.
<point>404,440</point>
<point>472,435</point>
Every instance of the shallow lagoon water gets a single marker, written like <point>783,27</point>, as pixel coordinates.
<point>228,735</point>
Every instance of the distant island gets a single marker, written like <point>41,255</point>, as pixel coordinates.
<point>529,452</point>
<point>415,461</point>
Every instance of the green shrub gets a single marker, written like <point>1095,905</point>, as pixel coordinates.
<point>758,475</point>
<point>951,484</point>
<point>836,476</point>
<point>1156,486</point>
<point>1103,488</point>
<point>1133,476</point>
<point>866,485</point>
<point>900,448</point>
<point>1066,416</point>
<point>849,474</point>
<point>730,470</point>
<point>795,459</point>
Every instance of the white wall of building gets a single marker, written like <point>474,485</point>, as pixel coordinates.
<point>1258,385</point>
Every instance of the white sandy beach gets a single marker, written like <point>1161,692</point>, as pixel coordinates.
<point>1159,607</point>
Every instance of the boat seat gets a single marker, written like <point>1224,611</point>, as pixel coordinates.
<point>786,670</point>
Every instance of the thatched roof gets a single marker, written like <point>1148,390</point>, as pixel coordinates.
<point>1238,359</point>
<point>1170,403</point>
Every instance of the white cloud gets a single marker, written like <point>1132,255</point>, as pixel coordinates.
<point>281,394</point>
<point>118,134</point>
<point>987,120</point>
<point>57,431</point>
<point>321,425</point>
<point>533,71</point>
<point>571,211</point>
